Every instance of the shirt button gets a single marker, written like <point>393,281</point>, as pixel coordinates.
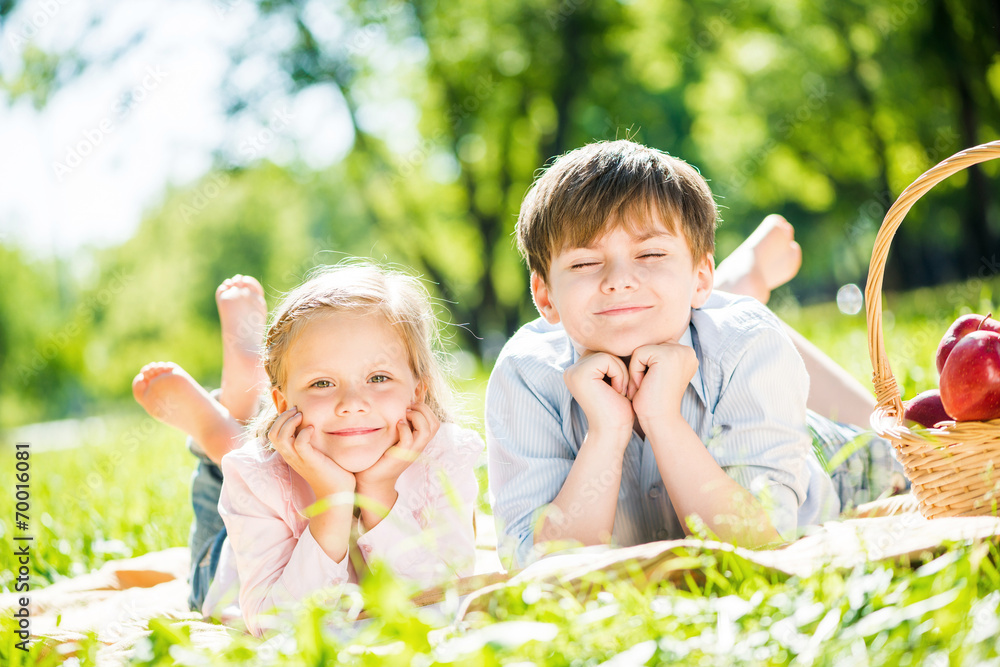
<point>662,533</point>
<point>366,549</point>
<point>654,492</point>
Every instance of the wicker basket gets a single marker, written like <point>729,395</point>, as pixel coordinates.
<point>951,467</point>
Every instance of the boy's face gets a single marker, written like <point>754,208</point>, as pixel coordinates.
<point>626,290</point>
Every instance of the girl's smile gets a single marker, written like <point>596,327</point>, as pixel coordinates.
<point>349,375</point>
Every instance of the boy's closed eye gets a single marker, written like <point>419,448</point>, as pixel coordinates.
<point>584,264</point>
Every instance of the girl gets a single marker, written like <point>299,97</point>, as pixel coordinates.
<point>359,421</point>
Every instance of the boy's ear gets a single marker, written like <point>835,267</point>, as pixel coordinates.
<point>543,299</point>
<point>280,402</point>
<point>704,280</point>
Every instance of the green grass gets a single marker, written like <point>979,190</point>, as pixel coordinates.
<point>944,612</point>
<point>913,324</point>
<point>102,501</point>
<point>130,495</point>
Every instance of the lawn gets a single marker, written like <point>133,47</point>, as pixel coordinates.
<point>127,495</point>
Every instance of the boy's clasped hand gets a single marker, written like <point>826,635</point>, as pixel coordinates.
<point>649,389</point>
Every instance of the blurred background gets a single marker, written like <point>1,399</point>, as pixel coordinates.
<point>152,149</point>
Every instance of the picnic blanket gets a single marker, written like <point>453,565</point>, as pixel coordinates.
<point>118,601</point>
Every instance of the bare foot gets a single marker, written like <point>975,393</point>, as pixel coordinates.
<point>767,259</point>
<point>172,396</point>
<point>243,314</point>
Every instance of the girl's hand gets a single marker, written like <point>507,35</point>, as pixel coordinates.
<point>415,432</point>
<point>321,472</point>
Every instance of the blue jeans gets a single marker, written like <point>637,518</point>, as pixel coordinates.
<point>208,532</point>
<point>860,463</point>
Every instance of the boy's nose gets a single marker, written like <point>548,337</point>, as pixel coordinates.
<point>620,276</point>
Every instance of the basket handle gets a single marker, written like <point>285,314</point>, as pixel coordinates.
<point>886,389</point>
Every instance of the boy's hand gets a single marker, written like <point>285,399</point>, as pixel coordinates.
<point>415,432</point>
<point>658,376</point>
<point>321,472</point>
<point>606,405</point>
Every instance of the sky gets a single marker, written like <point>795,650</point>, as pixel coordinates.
<point>81,171</point>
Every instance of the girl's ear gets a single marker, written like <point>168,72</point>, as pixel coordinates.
<point>704,281</point>
<point>421,392</point>
<point>280,402</point>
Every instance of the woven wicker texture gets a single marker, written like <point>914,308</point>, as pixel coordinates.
<point>952,467</point>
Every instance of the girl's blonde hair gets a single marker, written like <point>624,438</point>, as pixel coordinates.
<point>359,288</point>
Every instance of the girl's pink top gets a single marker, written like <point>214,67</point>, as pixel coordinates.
<point>272,559</point>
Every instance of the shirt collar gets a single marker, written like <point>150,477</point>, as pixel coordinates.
<point>696,380</point>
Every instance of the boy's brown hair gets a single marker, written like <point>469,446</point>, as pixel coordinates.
<point>607,184</point>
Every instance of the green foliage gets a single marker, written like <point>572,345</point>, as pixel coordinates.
<point>38,350</point>
<point>123,495</point>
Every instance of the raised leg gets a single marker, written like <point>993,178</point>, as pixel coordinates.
<point>767,259</point>
<point>833,392</point>
<point>172,396</point>
<point>243,314</point>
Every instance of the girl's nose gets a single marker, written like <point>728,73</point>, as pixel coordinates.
<point>352,400</point>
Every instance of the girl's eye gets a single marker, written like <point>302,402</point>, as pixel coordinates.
<point>321,384</point>
<point>379,378</point>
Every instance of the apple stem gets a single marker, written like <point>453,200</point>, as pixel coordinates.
<point>983,321</point>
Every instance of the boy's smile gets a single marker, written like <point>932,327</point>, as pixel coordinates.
<point>633,286</point>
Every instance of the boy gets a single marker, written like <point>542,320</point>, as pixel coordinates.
<point>641,397</point>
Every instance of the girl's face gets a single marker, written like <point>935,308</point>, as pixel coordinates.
<point>349,375</point>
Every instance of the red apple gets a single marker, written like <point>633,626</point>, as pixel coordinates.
<point>970,381</point>
<point>960,328</point>
<point>926,409</point>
